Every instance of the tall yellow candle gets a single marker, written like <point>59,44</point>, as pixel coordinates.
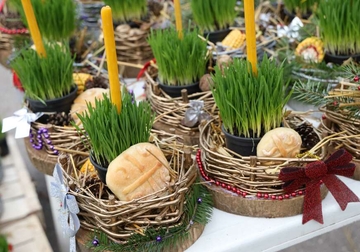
<point>178,18</point>
<point>250,33</point>
<point>113,71</point>
<point>33,27</point>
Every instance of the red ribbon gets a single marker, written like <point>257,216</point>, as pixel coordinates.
<point>145,67</point>
<point>313,175</point>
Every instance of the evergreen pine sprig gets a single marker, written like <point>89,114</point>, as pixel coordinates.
<point>110,133</point>
<point>338,26</point>
<point>249,104</point>
<point>56,19</point>
<point>45,78</point>
<point>310,92</point>
<point>300,6</point>
<point>211,15</point>
<point>180,61</point>
<point>126,10</point>
<point>195,212</point>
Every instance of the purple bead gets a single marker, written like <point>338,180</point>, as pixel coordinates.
<point>32,140</point>
<point>56,152</point>
<point>48,141</point>
<point>158,238</point>
<point>33,145</point>
<point>38,136</point>
<point>31,135</point>
<point>40,141</point>
<point>45,130</point>
<point>95,242</point>
<point>37,147</point>
<point>51,147</point>
<point>40,146</point>
<point>40,131</point>
<point>46,136</point>
<point>199,200</point>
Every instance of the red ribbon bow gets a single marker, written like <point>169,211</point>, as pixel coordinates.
<point>313,175</point>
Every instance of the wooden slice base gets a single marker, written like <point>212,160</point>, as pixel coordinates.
<point>40,159</point>
<point>83,236</point>
<point>190,137</point>
<point>232,203</point>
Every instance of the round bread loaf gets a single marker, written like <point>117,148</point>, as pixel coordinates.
<point>138,171</point>
<point>79,105</point>
<point>279,142</point>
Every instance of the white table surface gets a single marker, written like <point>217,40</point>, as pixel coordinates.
<point>229,232</point>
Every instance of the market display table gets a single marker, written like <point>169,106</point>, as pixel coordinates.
<point>229,232</point>
<point>22,218</point>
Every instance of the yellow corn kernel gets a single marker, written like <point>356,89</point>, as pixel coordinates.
<point>235,39</point>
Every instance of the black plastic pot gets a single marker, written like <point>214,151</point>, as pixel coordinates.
<point>175,91</point>
<point>62,104</point>
<point>4,148</point>
<point>339,59</point>
<point>101,171</point>
<point>241,145</point>
<point>292,15</point>
<point>216,36</point>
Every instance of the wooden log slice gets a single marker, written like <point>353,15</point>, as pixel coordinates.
<point>42,161</point>
<point>254,207</point>
<point>83,236</point>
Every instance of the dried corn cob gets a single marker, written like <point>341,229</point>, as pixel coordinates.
<point>80,80</point>
<point>235,39</point>
<point>311,49</point>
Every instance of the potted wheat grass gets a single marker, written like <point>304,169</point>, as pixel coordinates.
<point>300,8</point>
<point>109,133</point>
<point>250,105</point>
<point>56,19</point>
<point>127,10</point>
<point>214,17</point>
<point>47,81</point>
<point>338,29</point>
<point>181,62</point>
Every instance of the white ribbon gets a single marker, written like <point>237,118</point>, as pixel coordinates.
<point>68,209</point>
<point>291,31</point>
<point>21,120</point>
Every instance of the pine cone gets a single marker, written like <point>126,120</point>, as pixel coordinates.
<point>96,82</point>
<point>60,119</point>
<point>308,135</point>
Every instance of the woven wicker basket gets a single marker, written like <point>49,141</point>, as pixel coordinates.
<point>100,210</point>
<point>247,185</point>
<point>56,139</point>
<point>170,111</point>
<point>348,133</point>
<point>132,47</point>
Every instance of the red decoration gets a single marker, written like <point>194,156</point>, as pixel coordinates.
<point>145,67</point>
<point>16,82</point>
<point>356,78</point>
<point>321,172</point>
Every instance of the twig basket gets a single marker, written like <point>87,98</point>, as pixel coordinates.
<point>132,47</point>
<point>347,130</point>
<point>248,185</point>
<point>55,140</point>
<point>100,210</point>
<point>171,111</point>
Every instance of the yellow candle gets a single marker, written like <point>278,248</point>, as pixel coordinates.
<point>178,18</point>
<point>250,34</point>
<point>33,27</point>
<point>113,71</point>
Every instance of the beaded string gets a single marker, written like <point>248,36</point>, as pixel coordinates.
<point>40,138</point>
<point>240,192</point>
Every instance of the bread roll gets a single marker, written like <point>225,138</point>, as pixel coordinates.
<point>137,172</point>
<point>79,106</point>
<point>279,142</point>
